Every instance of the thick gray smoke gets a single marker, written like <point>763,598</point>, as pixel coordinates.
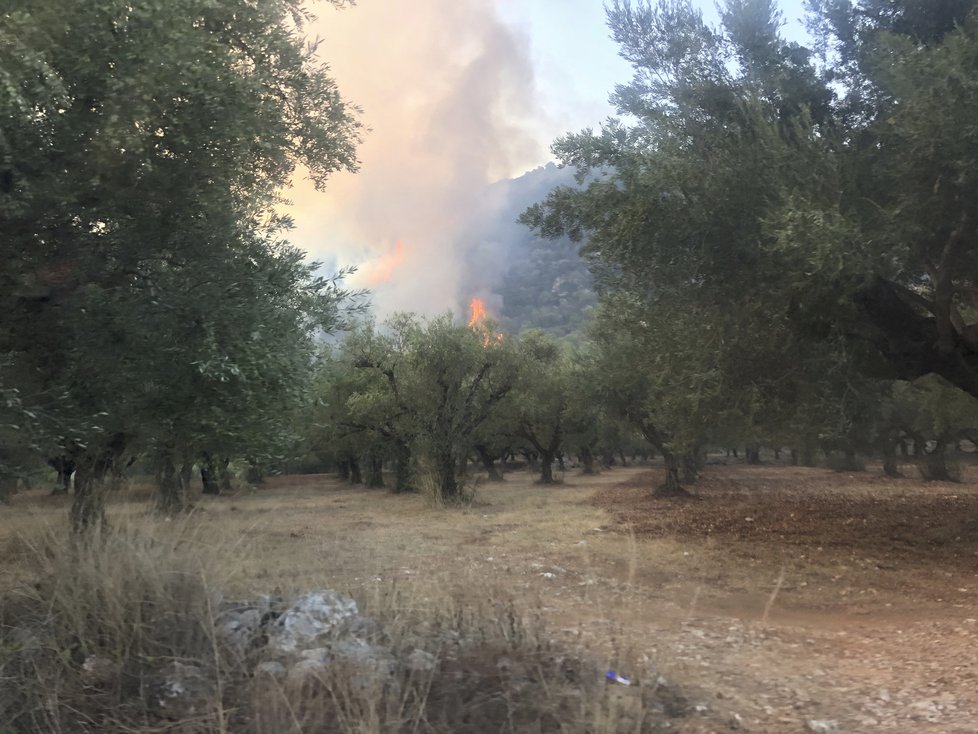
<point>447,91</point>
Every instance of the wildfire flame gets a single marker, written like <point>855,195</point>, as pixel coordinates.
<point>477,312</point>
<point>477,322</point>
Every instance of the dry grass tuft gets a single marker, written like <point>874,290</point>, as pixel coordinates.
<point>84,645</point>
<point>89,643</point>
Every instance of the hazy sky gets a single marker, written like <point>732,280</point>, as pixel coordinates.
<point>456,94</point>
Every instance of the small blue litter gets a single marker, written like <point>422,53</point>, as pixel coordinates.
<point>613,677</point>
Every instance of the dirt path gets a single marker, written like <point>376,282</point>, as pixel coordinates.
<point>858,638</point>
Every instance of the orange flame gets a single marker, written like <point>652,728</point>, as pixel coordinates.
<point>477,312</point>
<point>383,269</point>
<point>477,322</point>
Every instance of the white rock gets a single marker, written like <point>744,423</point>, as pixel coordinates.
<point>419,661</point>
<point>311,619</point>
<point>822,726</point>
<point>238,627</point>
<point>98,670</point>
<point>363,655</point>
<point>184,691</point>
<point>271,668</point>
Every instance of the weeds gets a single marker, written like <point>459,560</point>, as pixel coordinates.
<point>120,632</point>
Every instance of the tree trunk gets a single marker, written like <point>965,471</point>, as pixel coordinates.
<point>208,476</point>
<point>934,467</point>
<point>890,466</point>
<point>447,470</point>
<point>753,454</point>
<point>621,455</point>
<point>402,469</point>
<point>255,473</point>
<point>690,467</point>
<point>119,472</point>
<point>355,476</point>
<point>224,472</point>
<point>88,506</point>
<point>65,466</point>
<point>343,469</point>
<point>587,460</point>
<point>794,457</point>
<point>375,472</point>
<point>489,464</point>
<point>171,497</point>
<point>671,487</point>
<point>546,468</point>
<point>186,473</point>
<point>8,488</point>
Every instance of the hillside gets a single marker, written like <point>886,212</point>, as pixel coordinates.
<point>528,281</point>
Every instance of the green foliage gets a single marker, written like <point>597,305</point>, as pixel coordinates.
<point>427,387</point>
<point>146,284</point>
<point>548,288</point>
<point>543,398</point>
<point>807,217</point>
<point>658,370</point>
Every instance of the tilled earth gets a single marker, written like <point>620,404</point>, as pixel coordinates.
<point>871,622</point>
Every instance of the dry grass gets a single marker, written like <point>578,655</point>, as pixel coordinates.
<point>90,627</point>
<point>539,578</point>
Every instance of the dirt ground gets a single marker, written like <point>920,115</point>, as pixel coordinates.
<point>780,599</point>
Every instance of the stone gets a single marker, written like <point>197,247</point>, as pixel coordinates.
<point>184,691</point>
<point>271,668</point>
<point>240,628</point>
<point>312,619</point>
<point>370,659</point>
<point>822,726</point>
<point>420,661</point>
<point>98,671</point>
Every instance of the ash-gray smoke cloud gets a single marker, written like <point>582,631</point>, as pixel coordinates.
<point>447,93</point>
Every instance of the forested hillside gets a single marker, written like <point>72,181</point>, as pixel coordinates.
<point>538,283</point>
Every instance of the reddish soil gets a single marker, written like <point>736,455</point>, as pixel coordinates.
<point>870,619</point>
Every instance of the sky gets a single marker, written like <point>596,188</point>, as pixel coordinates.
<point>455,94</point>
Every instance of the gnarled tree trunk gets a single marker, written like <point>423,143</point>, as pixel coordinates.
<point>690,467</point>
<point>446,467</point>
<point>375,472</point>
<point>587,460</point>
<point>933,467</point>
<point>356,477</point>
<point>88,506</point>
<point>890,466</point>
<point>174,484</point>
<point>671,487</point>
<point>402,468</point>
<point>489,464</point>
<point>224,472</point>
<point>547,467</point>
<point>208,476</point>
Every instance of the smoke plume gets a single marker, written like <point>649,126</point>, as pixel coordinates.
<point>447,93</point>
